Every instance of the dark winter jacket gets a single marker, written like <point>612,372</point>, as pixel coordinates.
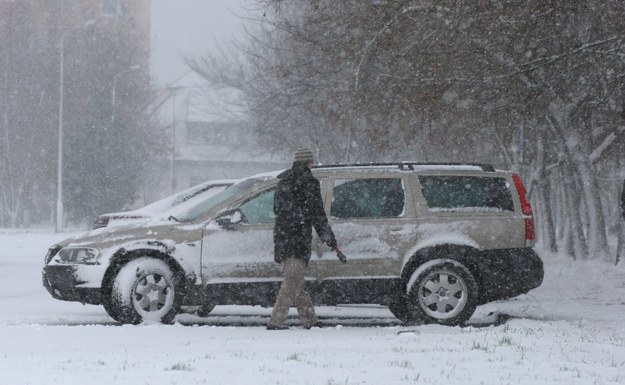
<point>299,208</point>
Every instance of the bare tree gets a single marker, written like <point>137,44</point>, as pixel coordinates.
<point>533,86</point>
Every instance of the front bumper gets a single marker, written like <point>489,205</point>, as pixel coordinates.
<point>64,282</point>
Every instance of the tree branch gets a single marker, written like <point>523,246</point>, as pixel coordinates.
<point>596,154</point>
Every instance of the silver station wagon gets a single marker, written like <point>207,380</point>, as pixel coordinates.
<point>430,241</point>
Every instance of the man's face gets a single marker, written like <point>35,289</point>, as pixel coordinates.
<point>309,164</point>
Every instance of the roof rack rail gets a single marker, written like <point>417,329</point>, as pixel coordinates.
<point>484,166</point>
<point>355,165</point>
<point>410,165</point>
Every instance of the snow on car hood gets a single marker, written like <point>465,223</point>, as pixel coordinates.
<point>111,237</point>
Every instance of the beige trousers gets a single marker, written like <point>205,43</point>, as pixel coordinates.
<point>292,292</point>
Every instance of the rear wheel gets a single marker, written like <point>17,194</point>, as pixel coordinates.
<point>399,308</point>
<point>145,289</point>
<point>442,291</point>
<point>204,310</point>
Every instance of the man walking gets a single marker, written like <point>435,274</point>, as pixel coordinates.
<point>298,208</point>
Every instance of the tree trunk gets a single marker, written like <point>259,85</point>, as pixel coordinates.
<point>543,189</point>
<point>549,233</point>
<point>573,215</point>
<point>596,233</point>
<point>620,247</point>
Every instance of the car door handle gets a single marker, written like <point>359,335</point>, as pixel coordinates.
<point>396,229</point>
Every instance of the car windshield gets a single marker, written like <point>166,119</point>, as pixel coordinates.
<point>198,210</point>
<point>166,204</point>
<point>191,202</point>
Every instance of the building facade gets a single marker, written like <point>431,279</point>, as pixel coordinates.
<point>208,140</point>
<point>83,67</point>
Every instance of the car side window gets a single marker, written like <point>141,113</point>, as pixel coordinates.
<point>259,209</point>
<point>368,198</point>
<point>458,193</point>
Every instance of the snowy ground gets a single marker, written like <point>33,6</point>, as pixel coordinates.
<point>569,331</point>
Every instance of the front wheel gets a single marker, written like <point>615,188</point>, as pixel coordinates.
<point>145,289</point>
<point>442,291</point>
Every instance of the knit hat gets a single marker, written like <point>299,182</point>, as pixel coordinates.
<point>303,155</point>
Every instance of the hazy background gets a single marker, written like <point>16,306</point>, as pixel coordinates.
<point>535,87</point>
<point>191,28</point>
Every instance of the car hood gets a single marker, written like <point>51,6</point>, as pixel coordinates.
<point>117,236</point>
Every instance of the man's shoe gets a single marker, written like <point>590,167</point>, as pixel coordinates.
<point>274,327</point>
<point>315,325</point>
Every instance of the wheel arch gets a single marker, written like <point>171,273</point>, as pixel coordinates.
<point>123,256</point>
<point>462,253</point>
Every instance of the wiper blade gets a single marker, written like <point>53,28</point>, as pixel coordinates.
<point>173,218</point>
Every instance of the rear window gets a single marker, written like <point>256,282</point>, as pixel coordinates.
<point>466,193</point>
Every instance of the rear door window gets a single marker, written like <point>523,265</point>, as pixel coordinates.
<point>466,193</point>
<point>368,198</point>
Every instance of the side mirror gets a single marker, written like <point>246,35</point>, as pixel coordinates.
<point>230,218</point>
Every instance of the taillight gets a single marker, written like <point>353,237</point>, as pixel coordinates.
<point>526,208</point>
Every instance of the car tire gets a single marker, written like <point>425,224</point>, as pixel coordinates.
<point>204,310</point>
<point>399,308</point>
<point>441,291</point>
<point>110,310</point>
<point>145,289</point>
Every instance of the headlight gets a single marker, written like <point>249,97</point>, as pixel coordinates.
<point>80,255</point>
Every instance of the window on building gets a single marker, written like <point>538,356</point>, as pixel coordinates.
<point>111,7</point>
<point>61,5</point>
<point>210,133</point>
<point>368,198</point>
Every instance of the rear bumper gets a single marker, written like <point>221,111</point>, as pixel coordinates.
<point>63,283</point>
<point>507,273</point>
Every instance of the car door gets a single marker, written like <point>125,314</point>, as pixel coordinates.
<point>372,223</point>
<point>237,255</point>
<point>238,264</point>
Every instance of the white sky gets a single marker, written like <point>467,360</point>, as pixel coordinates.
<point>190,27</point>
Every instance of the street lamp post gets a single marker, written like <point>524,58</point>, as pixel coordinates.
<point>173,140</point>
<point>59,176</point>
<point>59,170</point>
<point>172,163</point>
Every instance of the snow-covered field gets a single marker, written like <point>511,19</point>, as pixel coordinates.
<point>569,331</point>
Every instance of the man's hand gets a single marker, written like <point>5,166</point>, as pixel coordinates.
<point>340,255</point>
